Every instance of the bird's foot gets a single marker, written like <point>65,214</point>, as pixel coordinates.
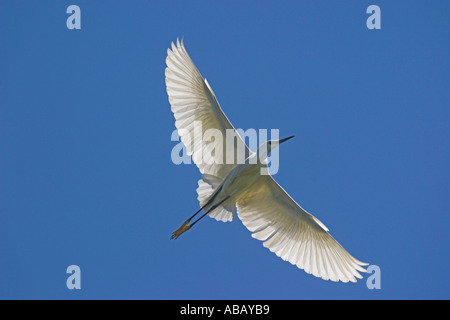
<point>184,227</point>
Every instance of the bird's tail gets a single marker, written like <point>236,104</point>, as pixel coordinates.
<point>206,187</point>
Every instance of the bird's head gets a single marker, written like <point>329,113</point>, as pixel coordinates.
<point>266,148</point>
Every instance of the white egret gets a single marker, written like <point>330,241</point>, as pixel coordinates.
<point>262,205</point>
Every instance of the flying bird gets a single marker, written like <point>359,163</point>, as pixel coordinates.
<point>263,206</point>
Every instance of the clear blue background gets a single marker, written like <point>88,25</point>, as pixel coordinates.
<point>86,175</point>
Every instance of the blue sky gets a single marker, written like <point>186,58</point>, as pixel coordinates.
<point>86,176</point>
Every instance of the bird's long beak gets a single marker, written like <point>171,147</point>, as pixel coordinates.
<point>285,139</point>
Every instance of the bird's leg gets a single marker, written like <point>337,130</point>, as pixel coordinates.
<point>186,226</point>
<point>209,210</point>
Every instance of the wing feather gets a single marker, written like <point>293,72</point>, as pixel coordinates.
<point>293,234</point>
<point>193,101</point>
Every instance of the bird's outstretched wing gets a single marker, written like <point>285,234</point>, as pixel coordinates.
<point>196,110</point>
<point>293,234</point>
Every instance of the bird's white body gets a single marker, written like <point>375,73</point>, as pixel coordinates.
<point>237,181</point>
<point>262,205</point>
